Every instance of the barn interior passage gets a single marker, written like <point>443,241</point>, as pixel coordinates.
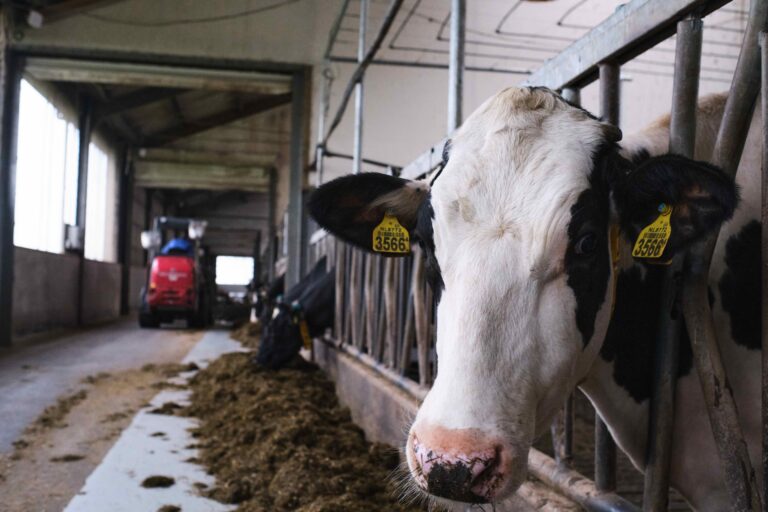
<point>165,258</point>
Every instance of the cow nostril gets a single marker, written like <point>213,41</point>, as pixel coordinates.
<point>471,478</point>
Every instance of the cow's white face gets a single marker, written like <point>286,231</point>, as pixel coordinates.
<point>516,233</point>
<point>521,242</point>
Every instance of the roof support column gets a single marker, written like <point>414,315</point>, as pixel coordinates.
<point>85,127</point>
<point>125,232</point>
<point>10,80</point>
<point>296,182</point>
<point>272,226</point>
<point>456,64</point>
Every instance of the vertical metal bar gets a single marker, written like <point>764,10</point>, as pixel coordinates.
<point>125,226</point>
<point>322,112</point>
<point>562,427</point>
<point>605,448</point>
<point>357,156</point>
<point>272,227</point>
<point>85,127</point>
<point>257,259</point>
<point>456,64</point>
<point>682,139</point>
<point>338,324</point>
<point>295,199</point>
<point>569,413</point>
<point>737,468</point>
<point>10,80</point>
<point>764,247</point>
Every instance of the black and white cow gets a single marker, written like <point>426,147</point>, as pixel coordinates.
<point>311,300</point>
<point>264,298</point>
<point>517,228</point>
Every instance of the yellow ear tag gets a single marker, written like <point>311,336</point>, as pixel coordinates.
<point>391,237</point>
<point>304,330</point>
<point>654,237</point>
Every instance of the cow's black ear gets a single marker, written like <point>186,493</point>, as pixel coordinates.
<point>351,207</point>
<point>701,196</point>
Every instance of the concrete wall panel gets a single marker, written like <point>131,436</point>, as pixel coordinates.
<point>101,292</point>
<point>44,291</point>
<point>379,407</point>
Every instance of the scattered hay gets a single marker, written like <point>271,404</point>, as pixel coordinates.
<point>168,408</point>
<point>116,416</point>
<point>169,508</point>
<point>70,457</point>
<point>247,334</point>
<point>170,369</point>
<point>53,416</point>
<point>157,481</point>
<point>157,434</point>
<point>280,441</point>
<point>167,385</point>
<point>93,379</point>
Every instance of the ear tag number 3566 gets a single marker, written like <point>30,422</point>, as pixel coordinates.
<point>391,237</point>
<point>654,237</point>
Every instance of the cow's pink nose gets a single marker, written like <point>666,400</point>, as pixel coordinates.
<point>460,465</point>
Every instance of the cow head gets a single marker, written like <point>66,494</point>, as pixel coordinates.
<point>517,230</point>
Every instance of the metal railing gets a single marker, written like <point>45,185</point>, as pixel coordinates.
<point>385,311</point>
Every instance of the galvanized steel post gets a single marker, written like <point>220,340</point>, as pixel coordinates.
<point>85,127</point>
<point>456,64</point>
<point>764,251</point>
<point>605,448</point>
<point>295,198</point>
<point>272,221</point>
<point>682,139</point>
<point>10,80</point>
<point>562,427</point>
<point>740,477</point>
<point>357,155</point>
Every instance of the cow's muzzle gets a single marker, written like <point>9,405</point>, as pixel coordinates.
<point>461,465</point>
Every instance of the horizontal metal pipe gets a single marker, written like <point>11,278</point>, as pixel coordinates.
<point>416,391</point>
<point>430,65</point>
<point>575,486</point>
<point>333,154</point>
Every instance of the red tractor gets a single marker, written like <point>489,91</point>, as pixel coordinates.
<point>180,282</point>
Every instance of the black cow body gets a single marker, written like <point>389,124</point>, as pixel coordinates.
<point>312,301</point>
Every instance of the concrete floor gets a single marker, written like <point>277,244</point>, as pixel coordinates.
<point>34,375</point>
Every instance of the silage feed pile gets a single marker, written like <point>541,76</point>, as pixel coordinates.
<point>280,441</point>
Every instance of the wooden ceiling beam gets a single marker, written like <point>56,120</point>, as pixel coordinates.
<point>133,100</point>
<point>192,127</point>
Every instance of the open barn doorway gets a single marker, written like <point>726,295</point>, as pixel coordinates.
<point>212,143</point>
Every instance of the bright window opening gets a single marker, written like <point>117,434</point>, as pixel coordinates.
<point>46,173</point>
<point>100,212</point>
<point>234,270</point>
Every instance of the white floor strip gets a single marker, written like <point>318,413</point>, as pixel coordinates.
<point>156,445</point>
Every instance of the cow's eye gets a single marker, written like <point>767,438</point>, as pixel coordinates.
<point>586,244</point>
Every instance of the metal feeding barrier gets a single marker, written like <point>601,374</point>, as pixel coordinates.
<point>385,312</point>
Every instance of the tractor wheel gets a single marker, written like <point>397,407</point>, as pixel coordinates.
<point>148,321</point>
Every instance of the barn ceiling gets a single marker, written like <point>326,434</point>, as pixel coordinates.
<point>517,36</point>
